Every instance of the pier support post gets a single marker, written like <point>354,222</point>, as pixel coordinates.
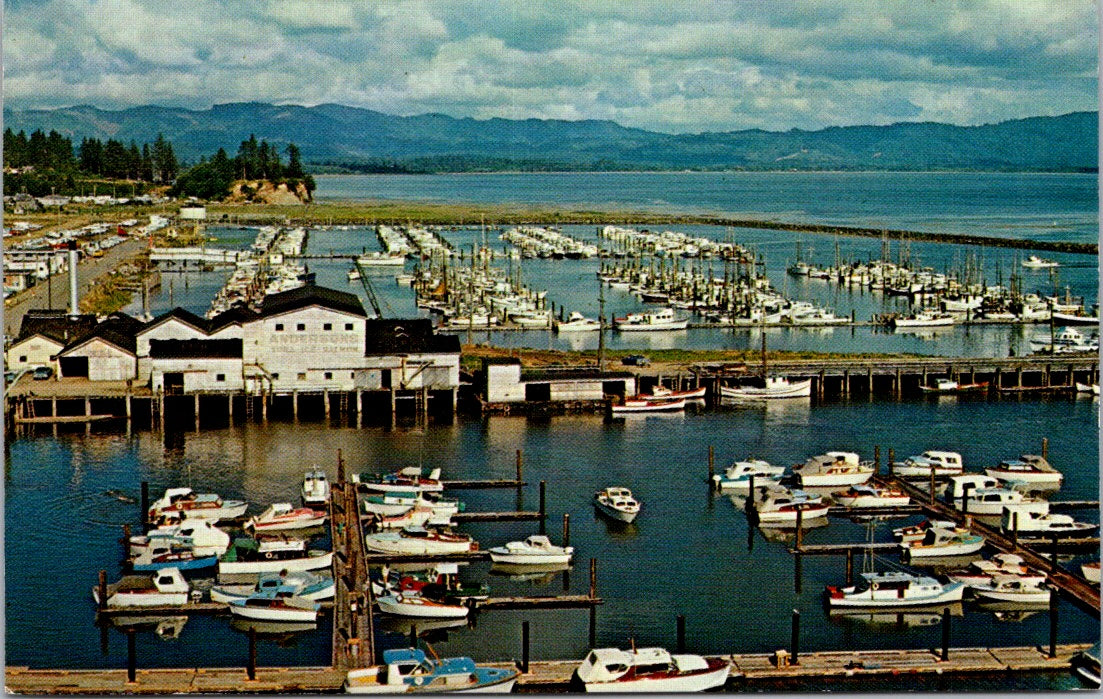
<point>850,567</point>
<point>877,460</point>
<point>131,657</point>
<point>520,466</point>
<point>103,590</point>
<point>593,608</point>
<point>1015,531</point>
<point>1045,448</point>
<point>1054,600</point>
<point>251,668</point>
<point>53,407</point>
<point>566,529</point>
<point>525,646</point>
<point>543,516</point>
<point>1053,553</point>
<point>230,408</point>
<point>196,412</point>
<point>394,406</point>
<point>87,406</point>
<point>359,408</point>
<point>945,634</point>
<point>126,541</point>
<point>325,399</point>
<point>145,506</point>
<point>264,400</point>
<point>129,407</point>
<point>800,528</point>
<point>295,404</point>
<point>681,633</point>
<point>846,382</point>
<point>892,458</point>
<point>794,640</point>
<point>712,470</point>
<point>896,386</point>
<point>930,495</point>
<point>869,381</point>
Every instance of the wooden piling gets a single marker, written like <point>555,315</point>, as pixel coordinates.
<point>1054,600</point>
<point>295,404</point>
<point>1045,447</point>
<point>593,609</point>
<point>800,527</point>
<point>712,469</point>
<point>877,459</point>
<point>930,494</point>
<point>131,657</point>
<point>794,639</point>
<point>196,412</point>
<point>543,513</point>
<point>525,646</point>
<point>103,590</point>
<point>251,668</point>
<point>850,566</point>
<point>126,541</point>
<point>566,529</point>
<point>945,634</point>
<point>145,506</point>
<point>230,408</point>
<point>325,401</point>
<point>520,465</point>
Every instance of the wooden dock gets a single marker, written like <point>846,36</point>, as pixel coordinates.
<point>546,675</point>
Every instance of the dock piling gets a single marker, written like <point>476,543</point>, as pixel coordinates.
<point>520,465</point>
<point>1054,600</point>
<point>945,634</point>
<point>1045,447</point>
<point>930,495</point>
<point>543,487</point>
<point>131,657</point>
<point>681,633</point>
<point>566,529</point>
<point>525,646</point>
<point>850,567</point>
<point>712,470</point>
<point>593,609</point>
<point>251,668</point>
<point>103,589</point>
<point>145,506</point>
<point>800,528</point>
<point>126,541</point>
<point>877,459</point>
<point>794,641</point>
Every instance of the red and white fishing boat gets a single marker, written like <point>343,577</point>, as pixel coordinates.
<point>281,516</point>
<point>195,505</point>
<point>640,404</point>
<point>420,541</point>
<point>650,670</point>
<point>916,532</point>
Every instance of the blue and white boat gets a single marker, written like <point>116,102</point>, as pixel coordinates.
<point>738,475</point>
<point>170,553</point>
<point>306,585</point>
<point>409,670</point>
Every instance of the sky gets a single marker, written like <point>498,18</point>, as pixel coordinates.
<point>675,66</point>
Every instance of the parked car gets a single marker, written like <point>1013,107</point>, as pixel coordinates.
<point>42,373</point>
<point>636,360</point>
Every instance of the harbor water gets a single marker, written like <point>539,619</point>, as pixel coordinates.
<point>69,492</point>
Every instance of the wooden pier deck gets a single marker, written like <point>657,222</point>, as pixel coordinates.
<point>545,675</point>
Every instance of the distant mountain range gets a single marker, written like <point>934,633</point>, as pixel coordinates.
<point>333,135</point>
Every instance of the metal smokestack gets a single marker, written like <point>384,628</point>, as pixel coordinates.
<point>74,306</point>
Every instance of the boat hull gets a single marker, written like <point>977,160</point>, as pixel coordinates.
<point>685,682</point>
<point>613,513</point>
<point>796,389</point>
<point>1033,477</point>
<point>530,559</point>
<point>1031,597</point>
<point>832,480</point>
<point>197,563</point>
<point>287,614</point>
<point>419,608</point>
<point>868,599</point>
<point>275,565</point>
<point>657,406</point>
<point>808,513</point>
<point>964,548</point>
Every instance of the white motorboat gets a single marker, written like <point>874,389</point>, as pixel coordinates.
<point>835,468</point>
<point>409,670</point>
<point>780,504</point>
<point>305,585</point>
<point>865,495</point>
<point>660,320</point>
<point>195,505</point>
<point>380,259</point>
<point>419,541</point>
<point>200,536</point>
<point>354,274</point>
<point>1085,665</point>
<point>663,393</point>
<point>968,482</point>
<point>617,503</point>
<point>280,604</point>
<point>416,516</point>
<point>169,553</point>
<point>945,463</point>
<point>406,479</point>
<point>992,501</point>
<point>772,387</point>
<point>165,588</point>
<point>1035,262</point>
<point>980,572</point>
<point>646,405</point>
<point>413,605</point>
<point>1090,571</point>
<point>924,319</point>
<point>535,550</point>
<point>281,516</point>
<point>950,386</point>
<point>1028,468</point>
<point>895,589</point>
<point>396,502</point>
<point>1012,588</point>
<point>576,322</point>
<point>738,475</point>
<point>315,490</point>
<point>1036,525</point>
<point>650,670</point>
<point>943,543</point>
<point>916,532</point>
<point>271,555</point>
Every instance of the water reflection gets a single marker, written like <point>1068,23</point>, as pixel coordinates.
<point>909,619</point>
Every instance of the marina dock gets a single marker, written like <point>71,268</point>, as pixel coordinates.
<point>749,670</point>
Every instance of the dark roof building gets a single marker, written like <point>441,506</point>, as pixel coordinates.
<point>407,336</point>
<point>56,325</point>
<point>195,349</point>
<point>310,295</point>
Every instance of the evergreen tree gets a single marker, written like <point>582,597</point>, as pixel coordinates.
<point>294,169</point>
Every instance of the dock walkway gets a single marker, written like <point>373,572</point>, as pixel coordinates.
<point>548,674</point>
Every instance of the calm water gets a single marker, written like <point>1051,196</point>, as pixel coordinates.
<point>1013,205</point>
<point>688,553</point>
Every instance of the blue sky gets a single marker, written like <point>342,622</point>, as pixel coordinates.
<point>671,66</point>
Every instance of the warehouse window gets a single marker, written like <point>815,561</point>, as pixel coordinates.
<point>300,327</point>
<point>348,326</point>
<point>276,376</point>
<point>302,376</point>
<point>329,375</point>
<point>279,327</point>
<point>219,377</point>
<point>22,358</point>
<point>327,326</point>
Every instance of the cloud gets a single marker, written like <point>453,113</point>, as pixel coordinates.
<point>677,67</point>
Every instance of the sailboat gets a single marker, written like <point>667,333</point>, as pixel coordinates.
<point>768,387</point>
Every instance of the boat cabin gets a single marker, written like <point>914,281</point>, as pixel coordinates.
<point>612,664</point>
<point>265,548</point>
<point>969,482</point>
<point>943,459</point>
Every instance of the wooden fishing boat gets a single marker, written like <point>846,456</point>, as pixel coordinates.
<point>165,588</point>
<point>281,516</point>
<point>196,505</point>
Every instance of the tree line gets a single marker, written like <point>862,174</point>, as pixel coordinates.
<point>212,178</point>
<point>113,159</point>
